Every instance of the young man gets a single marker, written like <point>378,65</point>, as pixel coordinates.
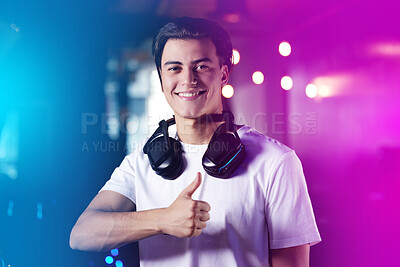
<point>260,215</point>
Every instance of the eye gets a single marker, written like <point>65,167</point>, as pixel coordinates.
<point>202,67</point>
<point>174,68</point>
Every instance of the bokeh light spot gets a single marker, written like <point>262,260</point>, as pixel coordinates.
<point>311,90</point>
<point>232,17</point>
<point>114,252</point>
<point>109,260</point>
<point>228,91</point>
<point>285,49</point>
<point>258,77</point>
<point>236,56</point>
<point>286,83</point>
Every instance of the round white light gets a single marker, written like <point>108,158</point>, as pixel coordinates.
<point>285,49</point>
<point>286,83</point>
<point>227,91</point>
<point>236,56</point>
<point>258,77</point>
<point>311,90</point>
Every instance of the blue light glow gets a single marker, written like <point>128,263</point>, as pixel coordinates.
<point>9,141</point>
<point>114,252</point>
<point>229,160</point>
<point>109,259</point>
<point>10,208</point>
<point>39,213</point>
<point>119,264</point>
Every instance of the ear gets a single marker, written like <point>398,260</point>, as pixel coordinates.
<point>224,75</point>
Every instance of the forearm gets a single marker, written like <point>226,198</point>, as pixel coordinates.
<point>110,222</point>
<point>290,257</point>
<point>98,230</point>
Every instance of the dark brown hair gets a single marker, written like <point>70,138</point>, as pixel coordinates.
<point>194,28</point>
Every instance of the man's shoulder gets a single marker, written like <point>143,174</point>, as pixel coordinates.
<point>253,139</point>
<point>136,151</point>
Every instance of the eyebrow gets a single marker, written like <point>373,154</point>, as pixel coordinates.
<point>205,59</point>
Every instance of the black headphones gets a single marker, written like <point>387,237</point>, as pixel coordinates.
<point>223,156</point>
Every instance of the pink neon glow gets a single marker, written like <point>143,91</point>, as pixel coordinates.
<point>389,49</point>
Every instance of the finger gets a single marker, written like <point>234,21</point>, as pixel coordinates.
<point>204,216</point>
<point>191,188</point>
<point>203,206</point>
<point>200,225</point>
<point>196,232</point>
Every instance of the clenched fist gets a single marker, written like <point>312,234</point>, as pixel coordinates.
<point>186,217</point>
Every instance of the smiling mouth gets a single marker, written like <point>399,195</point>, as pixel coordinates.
<point>187,94</point>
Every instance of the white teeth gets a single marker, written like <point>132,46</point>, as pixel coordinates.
<point>188,94</point>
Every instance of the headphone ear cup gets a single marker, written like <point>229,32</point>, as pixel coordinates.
<point>165,157</point>
<point>224,154</point>
<point>174,164</point>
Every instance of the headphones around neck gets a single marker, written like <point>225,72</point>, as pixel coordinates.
<point>223,156</point>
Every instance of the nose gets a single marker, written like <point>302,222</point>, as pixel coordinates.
<point>189,78</point>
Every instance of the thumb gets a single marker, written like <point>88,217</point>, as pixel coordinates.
<point>190,189</point>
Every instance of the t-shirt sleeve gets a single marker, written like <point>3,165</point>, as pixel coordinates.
<point>123,179</point>
<point>289,213</point>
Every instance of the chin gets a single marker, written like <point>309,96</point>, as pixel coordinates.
<point>189,114</point>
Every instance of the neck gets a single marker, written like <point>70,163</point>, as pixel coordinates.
<point>196,131</point>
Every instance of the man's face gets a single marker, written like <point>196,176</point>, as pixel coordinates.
<point>192,77</point>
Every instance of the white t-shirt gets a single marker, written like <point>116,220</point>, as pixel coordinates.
<point>264,205</point>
